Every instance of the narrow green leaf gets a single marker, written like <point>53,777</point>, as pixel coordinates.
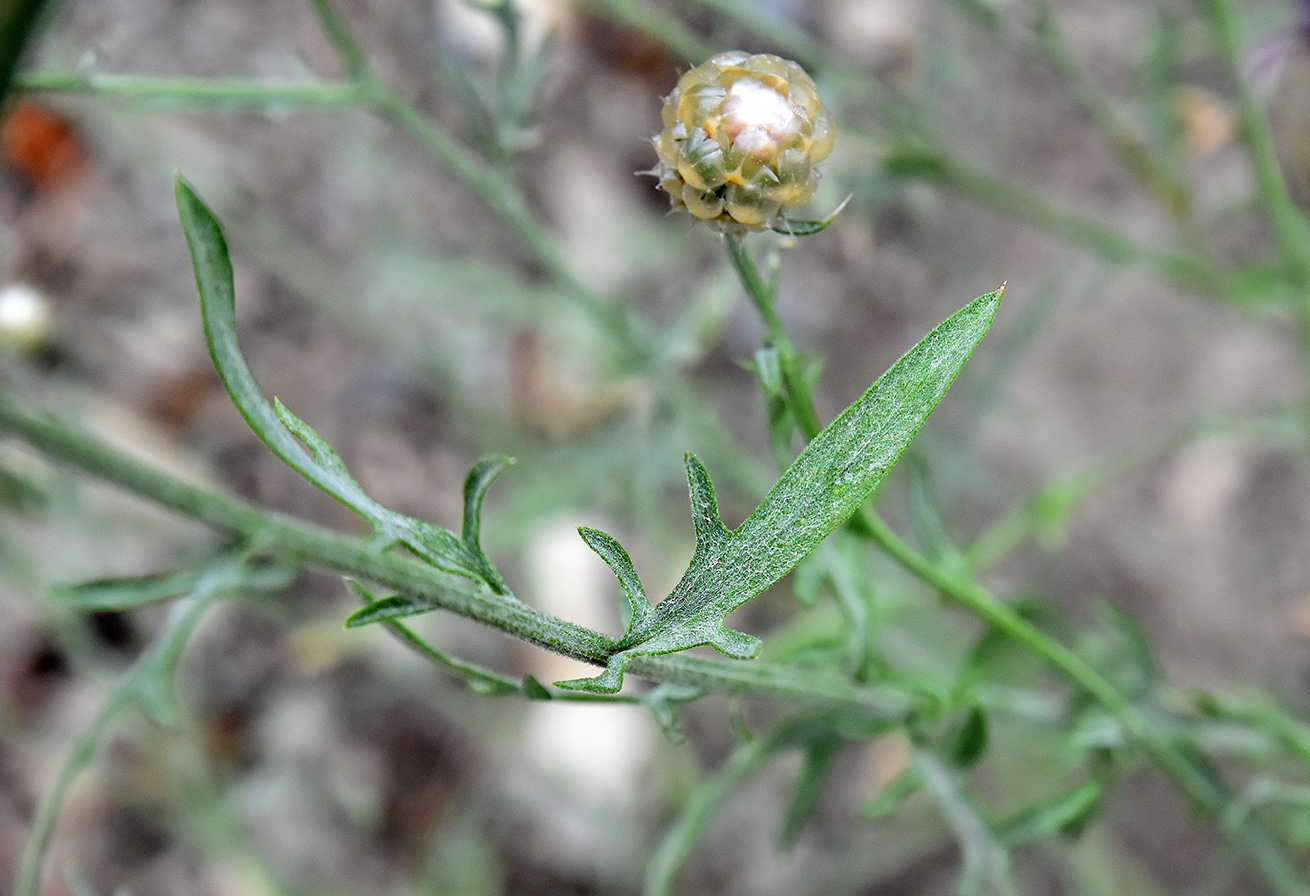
<point>1131,662</point>
<point>130,592</point>
<point>681,838</point>
<point>435,544</point>
<point>213,268</point>
<point>795,227</point>
<point>710,531</point>
<point>769,369</point>
<point>479,479</point>
<point>926,517</point>
<point>534,689</point>
<point>127,593</point>
<point>1063,813</point>
<point>389,611</point>
<point>985,859</point>
<point>275,424</point>
<point>326,458</point>
<point>902,787</point>
<point>20,494</point>
<point>621,565</point>
<point>663,701</point>
<point>386,609</point>
<point>157,698</point>
<point>151,682</point>
<point>825,485</point>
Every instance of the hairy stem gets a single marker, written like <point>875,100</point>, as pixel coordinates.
<point>355,557</point>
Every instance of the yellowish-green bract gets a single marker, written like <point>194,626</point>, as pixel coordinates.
<point>742,135</point>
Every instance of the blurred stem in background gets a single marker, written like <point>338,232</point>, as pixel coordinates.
<point>1289,221</point>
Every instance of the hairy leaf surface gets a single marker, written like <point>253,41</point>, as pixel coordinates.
<point>834,475</point>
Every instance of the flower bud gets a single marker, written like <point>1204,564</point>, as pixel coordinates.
<point>742,134</point>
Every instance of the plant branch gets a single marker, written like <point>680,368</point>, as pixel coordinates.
<point>355,557</point>
<point>797,390</point>
<point>233,93</point>
<point>1189,771</point>
<point>1288,220</point>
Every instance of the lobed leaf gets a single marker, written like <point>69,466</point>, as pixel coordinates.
<point>621,565</point>
<point>834,475</point>
<point>285,433</point>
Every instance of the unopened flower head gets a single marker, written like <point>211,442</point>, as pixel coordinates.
<point>742,134</point>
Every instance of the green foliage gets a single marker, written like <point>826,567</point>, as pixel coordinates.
<point>279,428</point>
<point>832,477</point>
<point>1019,724</point>
<point>148,685</point>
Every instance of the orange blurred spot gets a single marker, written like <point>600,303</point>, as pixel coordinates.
<point>181,397</point>
<point>40,145</point>
<point>1208,122</point>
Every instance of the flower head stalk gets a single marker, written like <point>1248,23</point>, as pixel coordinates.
<point>742,136</point>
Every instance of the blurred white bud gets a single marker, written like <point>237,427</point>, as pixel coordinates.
<point>25,317</point>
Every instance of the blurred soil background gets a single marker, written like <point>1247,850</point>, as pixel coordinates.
<point>396,313</point>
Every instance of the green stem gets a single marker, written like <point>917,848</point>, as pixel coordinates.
<point>352,54</point>
<point>365,89</point>
<point>237,93</point>
<point>1007,198</point>
<point>682,838</point>
<point>355,557</point>
<point>1195,779</point>
<point>345,553</point>
<point>1049,41</point>
<point>762,295</point>
<point>1288,220</point>
<point>488,181</point>
<point>1191,774</point>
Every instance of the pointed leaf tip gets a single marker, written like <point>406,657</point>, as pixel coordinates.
<point>617,559</point>
<point>735,644</point>
<point>387,609</point>
<point>831,478</point>
<point>479,480</point>
<point>476,484</point>
<point>704,505</point>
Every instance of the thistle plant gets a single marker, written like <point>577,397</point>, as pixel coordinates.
<point>1015,729</point>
